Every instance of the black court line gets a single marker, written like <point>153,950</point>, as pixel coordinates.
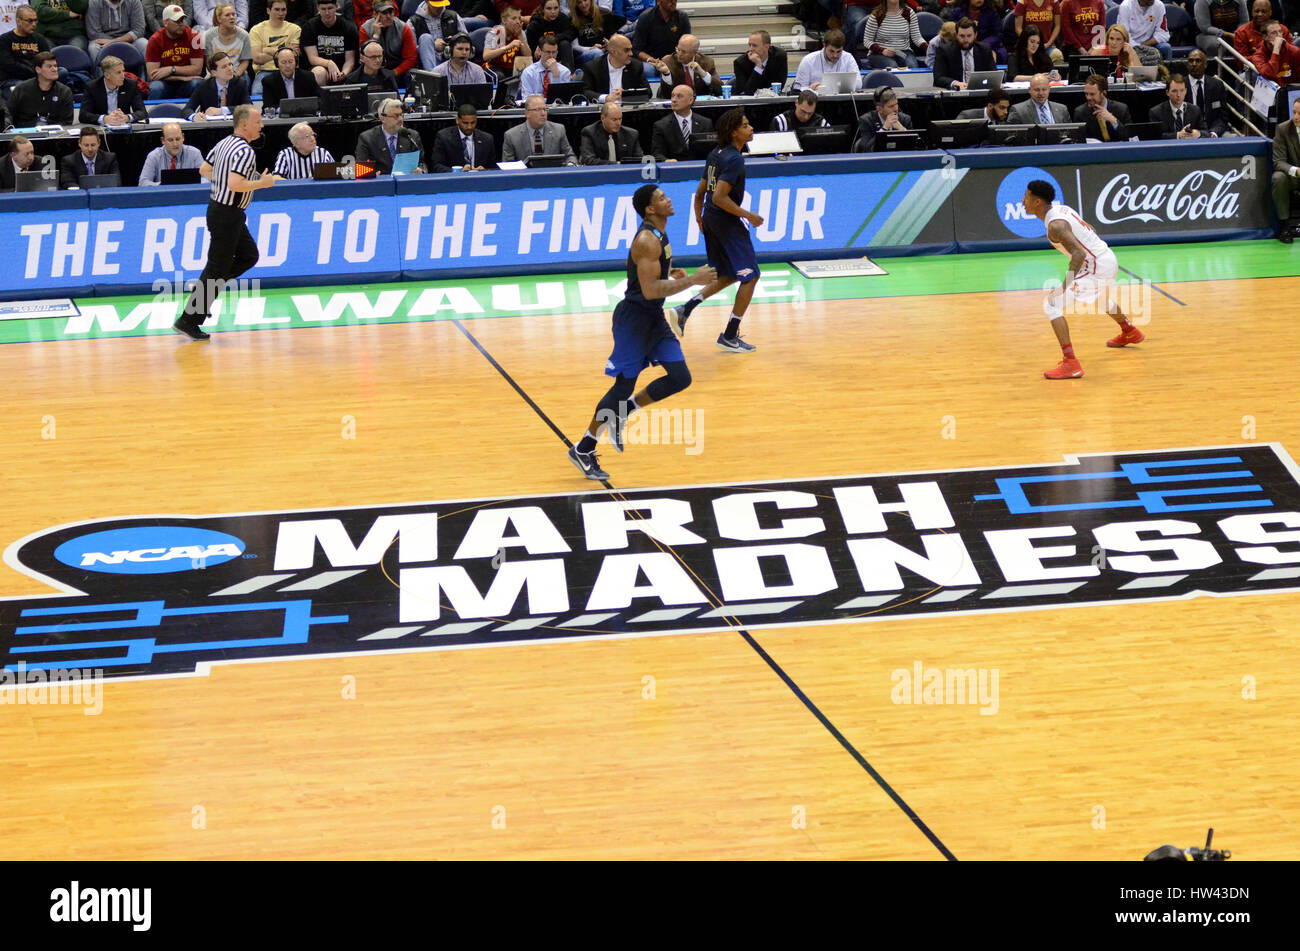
<point>749,639</point>
<point>1158,288</point>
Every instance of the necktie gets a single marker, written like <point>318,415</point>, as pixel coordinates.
<point>1178,121</point>
<point>392,145</point>
<point>537,141</point>
<point>546,81</point>
<point>223,97</point>
<point>90,166</point>
<point>686,130</point>
<point>1105,129</point>
<point>173,161</point>
<point>967,64</point>
<point>1198,96</point>
<point>1043,114</point>
<point>469,150</point>
<point>613,155</point>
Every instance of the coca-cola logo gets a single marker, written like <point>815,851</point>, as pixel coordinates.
<point>1200,195</point>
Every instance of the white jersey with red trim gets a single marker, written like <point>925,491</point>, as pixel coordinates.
<point>1088,239</point>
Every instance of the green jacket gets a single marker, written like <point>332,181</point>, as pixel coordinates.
<point>53,20</point>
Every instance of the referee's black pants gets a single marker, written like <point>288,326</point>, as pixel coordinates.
<point>231,252</point>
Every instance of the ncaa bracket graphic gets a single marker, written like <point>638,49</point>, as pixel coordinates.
<point>166,595</point>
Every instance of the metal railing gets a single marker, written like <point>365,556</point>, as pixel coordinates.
<point>1227,67</point>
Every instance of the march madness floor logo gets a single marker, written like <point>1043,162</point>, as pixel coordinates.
<point>166,595</point>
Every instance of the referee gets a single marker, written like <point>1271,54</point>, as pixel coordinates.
<point>232,167</point>
<point>301,155</point>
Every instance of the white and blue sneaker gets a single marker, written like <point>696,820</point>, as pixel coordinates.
<point>734,344</point>
<point>587,464</point>
<point>677,320</point>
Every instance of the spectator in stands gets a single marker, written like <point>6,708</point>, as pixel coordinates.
<point>611,74</point>
<point>1043,14</point>
<point>853,17</point>
<point>229,37</point>
<point>1178,118</point>
<point>296,161</point>
<point>89,159</point>
<point>831,58</point>
<point>995,110</point>
<point>172,154</point>
<point>297,12</point>
<point>459,69</point>
<point>947,36</point>
<point>988,25</point>
<point>114,21</point>
<point>362,10</point>
<point>207,16</point>
<point>1248,39</point>
<point>331,43</point>
<point>464,146</point>
<point>672,138</point>
<point>1039,108</point>
<point>63,22</point>
<point>550,20</point>
<point>656,35</point>
<point>803,115</point>
<point>439,23</point>
<point>526,8</point>
<point>607,142</point>
<point>372,72</point>
<point>379,145</point>
<point>593,27</point>
<point>1117,44</point>
<point>268,36</point>
<point>1286,172</point>
<point>536,136</point>
<point>476,14</point>
<point>288,81</point>
<point>953,65</point>
<point>217,96</point>
<point>892,36</point>
<point>759,66</point>
<point>22,155</point>
<point>111,100</point>
<point>687,66</point>
<point>886,117</point>
<point>505,48</point>
<point>1147,26</point>
<point>41,99</point>
<point>5,124</point>
<point>1106,119</point>
<point>153,13</point>
<point>1206,93</point>
<point>536,79</point>
<point>631,10</point>
<point>1030,57</point>
<point>1218,20</point>
<point>1083,23</point>
<point>1277,59</point>
<point>18,47</point>
<point>395,36</point>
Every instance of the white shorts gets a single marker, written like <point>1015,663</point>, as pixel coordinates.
<point>1090,290</point>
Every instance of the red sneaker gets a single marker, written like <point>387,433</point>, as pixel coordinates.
<point>1065,370</point>
<point>1126,337</point>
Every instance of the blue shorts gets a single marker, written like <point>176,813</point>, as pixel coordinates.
<point>730,250</point>
<point>641,339</point>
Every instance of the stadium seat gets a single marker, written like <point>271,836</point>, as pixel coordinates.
<point>478,38</point>
<point>880,77</point>
<point>1112,14</point>
<point>929,24</point>
<point>167,110</point>
<point>1177,20</point>
<point>78,65</point>
<point>408,8</point>
<point>130,57</point>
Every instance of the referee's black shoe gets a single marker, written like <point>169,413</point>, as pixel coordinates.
<point>190,328</point>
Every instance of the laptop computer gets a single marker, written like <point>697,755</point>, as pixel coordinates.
<point>826,140</point>
<point>325,171</point>
<point>775,143</point>
<point>112,180</point>
<point>906,141</point>
<point>544,160</point>
<point>35,182</point>
<point>988,79</point>
<point>834,84</point>
<point>1145,131</point>
<point>563,92</point>
<point>1142,74</point>
<point>179,176</point>
<point>638,95</point>
<point>299,107</point>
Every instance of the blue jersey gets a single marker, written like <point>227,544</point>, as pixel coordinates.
<point>634,292</point>
<point>725,164</point>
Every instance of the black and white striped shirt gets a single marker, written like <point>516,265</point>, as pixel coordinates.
<point>231,154</point>
<point>292,164</point>
<point>789,122</point>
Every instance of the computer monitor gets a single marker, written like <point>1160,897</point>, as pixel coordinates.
<point>638,95</point>
<point>563,92</point>
<point>826,140</point>
<point>702,143</point>
<point>1145,131</point>
<point>34,181</point>
<point>1062,133</point>
<point>544,160</point>
<point>958,133</point>
<point>1083,66</point>
<point>348,101</point>
<point>375,99</point>
<point>179,176</point>
<point>300,107</point>
<point>1012,134</point>
<point>907,141</point>
<point>428,89</point>
<point>111,180</point>
<point>480,94</point>
<point>989,79</point>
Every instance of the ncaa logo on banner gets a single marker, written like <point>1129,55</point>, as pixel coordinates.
<point>1012,211</point>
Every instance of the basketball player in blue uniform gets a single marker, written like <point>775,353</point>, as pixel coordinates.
<point>641,334</point>
<point>722,222</point>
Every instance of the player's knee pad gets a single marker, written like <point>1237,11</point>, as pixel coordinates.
<point>679,374</point>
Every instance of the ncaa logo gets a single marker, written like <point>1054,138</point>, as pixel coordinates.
<point>149,550</point>
<point>1009,208</point>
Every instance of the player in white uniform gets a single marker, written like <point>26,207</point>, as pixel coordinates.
<point>1091,273</point>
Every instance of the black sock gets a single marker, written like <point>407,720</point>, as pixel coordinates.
<point>691,304</point>
<point>586,444</point>
<point>733,328</point>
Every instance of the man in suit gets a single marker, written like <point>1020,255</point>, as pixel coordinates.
<point>886,117</point>
<point>111,100</point>
<point>218,95</point>
<point>688,66</point>
<point>1207,94</point>
<point>288,81</point>
<point>954,63</point>
<point>1286,172</point>
<point>995,110</point>
<point>672,137</point>
<point>464,146</point>
<point>1178,118</point>
<point>536,136</point>
<point>88,161</point>
<point>379,145</point>
<point>1038,108</point>
<point>606,142</point>
<point>609,75</point>
<point>759,67</point>
<point>1106,119</point>
<point>21,158</point>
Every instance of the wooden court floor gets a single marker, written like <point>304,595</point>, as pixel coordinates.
<point>1119,728</point>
